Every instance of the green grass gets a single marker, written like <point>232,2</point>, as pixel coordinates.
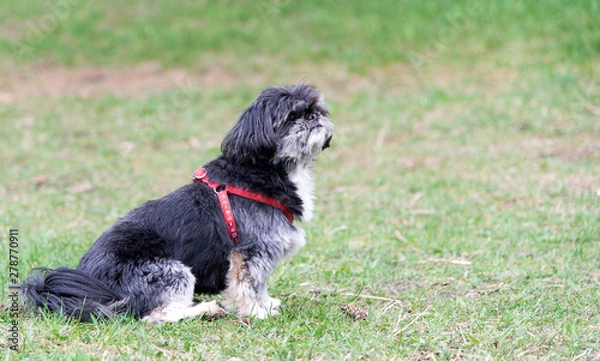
<point>357,34</point>
<point>459,203</point>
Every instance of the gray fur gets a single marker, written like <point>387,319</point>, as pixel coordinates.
<point>151,261</point>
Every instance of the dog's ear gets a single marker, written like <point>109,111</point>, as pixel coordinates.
<point>252,139</point>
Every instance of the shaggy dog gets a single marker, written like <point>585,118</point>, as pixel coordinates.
<point>225,232</point>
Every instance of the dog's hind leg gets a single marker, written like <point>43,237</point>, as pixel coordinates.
<point>176,311</point>
<point>165,288</point>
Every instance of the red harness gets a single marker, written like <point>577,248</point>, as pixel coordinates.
<point>223,192</point>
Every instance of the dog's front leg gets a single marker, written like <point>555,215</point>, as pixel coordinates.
<point>246,292</point>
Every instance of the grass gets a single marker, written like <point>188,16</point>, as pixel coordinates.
<point>459,204</point>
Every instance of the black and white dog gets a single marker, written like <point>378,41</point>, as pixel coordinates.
<point>152,261</point>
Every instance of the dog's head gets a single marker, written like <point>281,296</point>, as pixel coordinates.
<point>287,125</point>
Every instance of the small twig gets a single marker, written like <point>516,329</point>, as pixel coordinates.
<point>460,262</point>
<point>462,334</point>
<point>381,136</point>
<point>370,297</point>
<point>397,332</point>
<point>390,305</point>
<point>400,237</point>
<point>422,212</point>
<point>337,229</point>
<point>414,200</point>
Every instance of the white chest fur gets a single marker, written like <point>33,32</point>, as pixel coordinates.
<point>302,178</point>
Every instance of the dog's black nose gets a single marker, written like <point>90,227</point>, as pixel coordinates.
<point>327,142</point>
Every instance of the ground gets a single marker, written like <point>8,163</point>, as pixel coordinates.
<point>457,212</point>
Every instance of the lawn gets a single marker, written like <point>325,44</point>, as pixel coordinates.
<point>459,204</point>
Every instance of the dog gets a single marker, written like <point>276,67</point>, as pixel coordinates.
<point>223,233</point>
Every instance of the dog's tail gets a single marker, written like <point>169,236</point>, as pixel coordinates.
<point>72,293</point>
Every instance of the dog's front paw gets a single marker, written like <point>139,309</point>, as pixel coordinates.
<point>273,303</point>
<point>176,311</point>
<point>253,310</point>
<point>213,310</point>
<point>263,312</point>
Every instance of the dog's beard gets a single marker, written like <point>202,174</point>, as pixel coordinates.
<point>284,126</point>
<point>303,141</point>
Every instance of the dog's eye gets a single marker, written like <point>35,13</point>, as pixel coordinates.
<point>312,116</point>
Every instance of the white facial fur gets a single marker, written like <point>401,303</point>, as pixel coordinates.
<point>300,147</point>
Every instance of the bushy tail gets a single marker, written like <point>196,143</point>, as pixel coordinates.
<point>72,293</point>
